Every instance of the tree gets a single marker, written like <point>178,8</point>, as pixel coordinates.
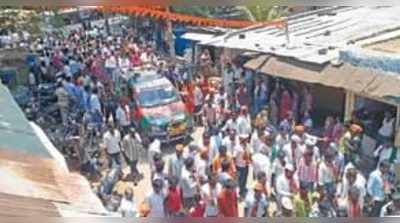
<point>266,12</point>
<point>260,12</point>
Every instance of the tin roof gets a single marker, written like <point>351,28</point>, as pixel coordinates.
<point>33,181</point>
<point>41,179</point>
<point>19,206</point>
<point>391,46</point>
<point>314,36</point>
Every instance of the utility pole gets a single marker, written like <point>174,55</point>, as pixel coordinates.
<point>107,23</point>
<point>287,34</point>
<point>170,38</point>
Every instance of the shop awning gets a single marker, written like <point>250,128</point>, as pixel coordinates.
<point>369,82</point>
<point>384,86</point>
<point>336,76</point>
<point>358,80</point>
<point>294,70</point>
<point>256,63</point>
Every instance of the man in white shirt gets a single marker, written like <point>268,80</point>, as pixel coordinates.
<point>231,141</point>
<point>155,200</point>
<point>209,193</point>
<point>176,164</point>
<point>293,151</point>
<point>123,117</point>
<point>387,151</point>
<point>202,165</point>
<point>124,64</point>
<point>111,65</point>
<point>132,146</point>
<point>154,148</point>
<point>127,207</point>
<point>278,166</point>
<point>387,129</point>
<point>257,139</point>
<point>328,173</point>
<point>220,96</point>
<point>261,162</point>
<point>95,108</point>
<point>310,144</point>
<point>188,183</point>
<point>286,184</point>
<point>112,140</point>
<point>377,187</point>
<point>63,101</point>
<point>244,123</point>
<point>231,123</point>
<point>241,156</point>
<point>352,178</point>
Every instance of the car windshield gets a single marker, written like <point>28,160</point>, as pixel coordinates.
<point>157,96</point>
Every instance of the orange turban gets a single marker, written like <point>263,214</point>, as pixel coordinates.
<point>355,128</point>
<point>299,128</point>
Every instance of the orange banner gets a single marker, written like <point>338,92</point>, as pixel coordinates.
<point>160,13</point>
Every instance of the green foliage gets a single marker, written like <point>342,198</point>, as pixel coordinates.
<point>259,12</point>
<point>16,19</point>
<point>266,12</point>
<point>57,20</point>
<point>201,11</point>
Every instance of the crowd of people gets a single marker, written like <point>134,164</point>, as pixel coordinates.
<point>259,155</point>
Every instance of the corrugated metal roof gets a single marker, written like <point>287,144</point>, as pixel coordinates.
<point>19,206</point>
<point>35,178</point>
<point>29,176</point>
<point>391,46</point>
<point>311,33</point>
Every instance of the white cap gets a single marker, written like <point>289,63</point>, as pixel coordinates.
<point>289,167</point>
<point>287,203</point>
<point>295,138</point>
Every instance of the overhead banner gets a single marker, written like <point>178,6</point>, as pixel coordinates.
<point>159,13</point>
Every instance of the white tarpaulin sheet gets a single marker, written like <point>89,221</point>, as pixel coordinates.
<point>197,36</point>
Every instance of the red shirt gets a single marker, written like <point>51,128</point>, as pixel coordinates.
<point>204,87</point>
<point>173,200</point>
<point>227,204</point>
<point>285,105</point>
<point>198,210</point>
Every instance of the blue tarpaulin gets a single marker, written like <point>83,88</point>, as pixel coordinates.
<point>369,60</point>
<point>180,44</point>
<point>8,75</point>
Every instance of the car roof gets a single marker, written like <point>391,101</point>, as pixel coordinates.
<point>150,79</point>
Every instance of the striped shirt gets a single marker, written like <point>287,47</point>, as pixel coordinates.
<point>307,173</point>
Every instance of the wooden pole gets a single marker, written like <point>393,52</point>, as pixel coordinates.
<point>287,34</point>
<point>349,105</point>
<point>171,41</point>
